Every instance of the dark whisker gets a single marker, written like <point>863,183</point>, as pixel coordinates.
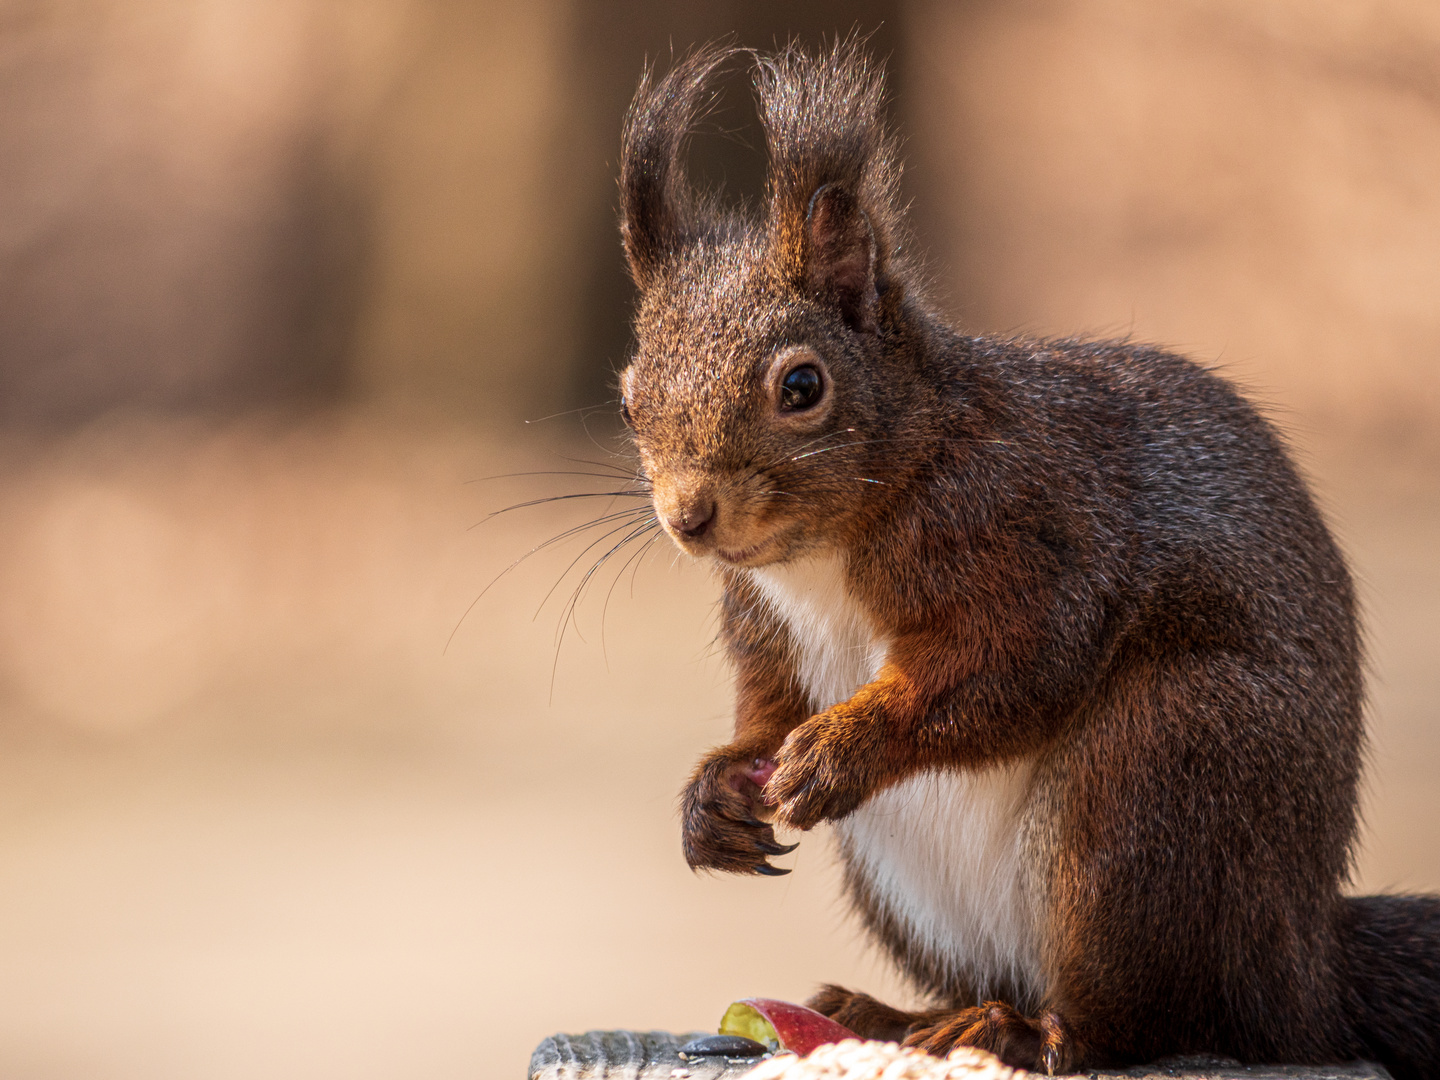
<point>537,548</point>
<point>605,610</point>
<point>575,597</point>
<point>599,464</point>
<point>582,527</point>
<point>645,549</point>
<point>568,614</point>
<point>629,514</point>
<point>617,474</point>
<point>583,410</point>
<point>562,498</point>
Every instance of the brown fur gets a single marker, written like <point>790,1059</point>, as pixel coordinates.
<point>1092,556</point>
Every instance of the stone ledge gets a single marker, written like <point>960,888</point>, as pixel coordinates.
<point>652,1055</point>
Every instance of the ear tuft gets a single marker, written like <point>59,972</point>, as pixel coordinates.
<point>840,262</point>
<point>833,217</point>
<point>659,211</point>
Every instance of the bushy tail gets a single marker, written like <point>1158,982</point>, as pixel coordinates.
<point>1392,947</point>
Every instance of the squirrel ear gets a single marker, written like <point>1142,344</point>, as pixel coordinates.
<point>833,221</point>
<point>840,256</point>
<point>659,211</point>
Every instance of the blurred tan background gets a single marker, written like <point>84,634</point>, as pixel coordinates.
<point>281,281</point>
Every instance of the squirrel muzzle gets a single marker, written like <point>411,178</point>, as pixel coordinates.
<point>689,508</point>
<point>708,515</point>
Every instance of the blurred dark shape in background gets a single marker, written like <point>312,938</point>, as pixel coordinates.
<point>219,205</point>
<point>411,202</point>
<point>181,227</point>
<point>284,791</point>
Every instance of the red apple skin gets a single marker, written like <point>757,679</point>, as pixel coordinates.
<point>798,1028</point>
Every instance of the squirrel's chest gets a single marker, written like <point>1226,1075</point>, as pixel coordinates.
<point>837,648</point>
<point>942,857</point>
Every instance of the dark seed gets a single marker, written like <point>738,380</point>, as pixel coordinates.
<point>735,1046</point>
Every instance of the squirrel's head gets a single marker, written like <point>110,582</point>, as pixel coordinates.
<point>758,390</point>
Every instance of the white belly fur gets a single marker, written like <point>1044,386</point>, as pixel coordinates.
<point>943,853</point>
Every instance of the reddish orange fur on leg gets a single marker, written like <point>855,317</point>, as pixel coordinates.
<point>868,1018</point>
<point>1039,1045</point>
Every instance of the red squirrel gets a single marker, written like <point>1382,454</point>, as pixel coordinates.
<point>1051,632</point>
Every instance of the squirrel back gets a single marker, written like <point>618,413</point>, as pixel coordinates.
<point>1051,631</point>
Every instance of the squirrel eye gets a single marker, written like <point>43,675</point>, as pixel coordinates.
<point>625,412</point>
<point>801,388</point>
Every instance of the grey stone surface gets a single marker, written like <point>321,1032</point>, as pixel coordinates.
<point>629,1055</point>
<point>652,1055</point>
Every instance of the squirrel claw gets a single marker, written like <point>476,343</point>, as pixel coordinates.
<point>1051,1060</point>
<point>770,871</point>
<point>776,849</point>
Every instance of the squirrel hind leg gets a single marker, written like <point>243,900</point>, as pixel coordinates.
<point>868,1018</point>
<point>1040,1044</point>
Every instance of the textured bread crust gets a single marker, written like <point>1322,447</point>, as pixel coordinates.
<point>854,1059</point>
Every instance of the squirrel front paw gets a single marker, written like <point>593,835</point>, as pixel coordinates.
<point>719,826</point>
<point>818,775</point>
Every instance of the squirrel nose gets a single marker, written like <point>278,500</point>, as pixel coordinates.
<point>695,521</point>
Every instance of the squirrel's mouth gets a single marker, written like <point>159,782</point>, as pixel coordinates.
<point>741,557</point>
<point>755,555</point>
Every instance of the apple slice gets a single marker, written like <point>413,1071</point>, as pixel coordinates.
<point>782,1025</point>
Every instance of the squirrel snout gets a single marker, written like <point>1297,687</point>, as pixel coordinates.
<point>693,521</point>
<point>689,504</point>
